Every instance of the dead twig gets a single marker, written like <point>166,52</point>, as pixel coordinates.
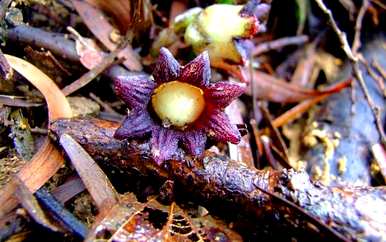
<point>358,27</point>
<point>98,69</point>
<point>375,76</point>
<point>105,105</point>
<point>15,102</point>
<point>379,68</point>
<point>68,190</point>
<point>279,43</point>
<point>356,70</point>
<point>57,43</point>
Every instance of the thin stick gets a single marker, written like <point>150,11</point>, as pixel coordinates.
<point>105,106</point>
<point>358,26</point>
<point>374,75</point>
<point>356,71</point>
<point>379,68</point>
<point>279,43</point>
<point>98,69</point>
<point>380,4</point>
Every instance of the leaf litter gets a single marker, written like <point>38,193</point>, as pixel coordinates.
<point>298,113</point>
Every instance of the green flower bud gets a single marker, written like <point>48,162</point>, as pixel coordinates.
<point>216,28</point>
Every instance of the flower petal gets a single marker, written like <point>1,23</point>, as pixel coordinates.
<point>135,90</point>
<point>197,71</point>
<point>195,142</point>
<point>164,143</point>
<point>221,128</point>
<point>136,124</point>
<point>167,67</point>
<point>221,94</point>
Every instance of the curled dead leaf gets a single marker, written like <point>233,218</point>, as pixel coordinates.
<point>48,159</point>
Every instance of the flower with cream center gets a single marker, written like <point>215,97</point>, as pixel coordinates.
<point>177,103</point>
<point>180,106</point>
<point>222,29</point>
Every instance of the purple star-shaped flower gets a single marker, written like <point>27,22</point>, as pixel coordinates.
<point>180,106</point>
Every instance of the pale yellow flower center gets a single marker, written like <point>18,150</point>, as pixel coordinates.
<point>178,103</point>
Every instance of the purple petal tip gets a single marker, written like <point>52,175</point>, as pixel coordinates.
<point>223,93</point>
<point>221,128</point>
<point>197,71</point>
<point>167,67</point>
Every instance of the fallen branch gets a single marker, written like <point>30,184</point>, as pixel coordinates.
<point>353,213</point>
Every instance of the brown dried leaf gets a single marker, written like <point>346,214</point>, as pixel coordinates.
<point>305,66</point>
<point>127,14</point>
<point>101,28</point>
<point>270,88</point>
<point>89,53</point>
<point>48,159</point>
<point>131,220</point>
<point>58,106</point>
<point>94,179</point>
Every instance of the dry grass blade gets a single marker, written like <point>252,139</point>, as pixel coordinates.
<point>48,159</point>
<point>14,102</point>
<point>92,175</point>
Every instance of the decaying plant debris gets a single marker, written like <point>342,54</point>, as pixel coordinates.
<point>215,178</point>
<point>284,139</point>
